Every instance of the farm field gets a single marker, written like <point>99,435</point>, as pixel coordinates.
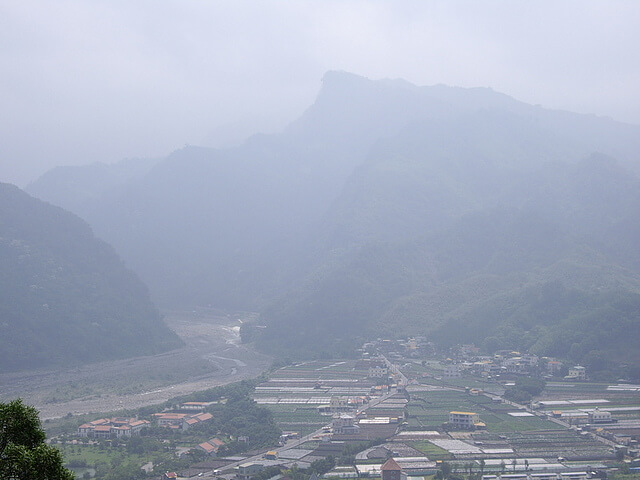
<point>432,451</point>
<point>548,444</point>
<point>431,410</point>
<point>303,420</point>
<point>294,393</point>
<point>574,400</point>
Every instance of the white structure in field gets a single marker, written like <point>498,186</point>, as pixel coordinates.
<point>466,420</point>
<point>599,416</point>
<point>577,373</point>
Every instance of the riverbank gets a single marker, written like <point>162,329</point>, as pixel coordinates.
<point>213,355</point>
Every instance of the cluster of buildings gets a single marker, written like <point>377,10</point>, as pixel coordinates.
<point>500,363</point>
<point>398,468</point>
<point>507,362</point>
<point>180,421</point>
<point>413,347</point>
<point>376,366</point>
<point>116,427</point>
<point>339,404</point>
<point>211,447</point>
<point>379,421</point>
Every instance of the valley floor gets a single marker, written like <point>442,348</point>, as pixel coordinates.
<point>213,355</point>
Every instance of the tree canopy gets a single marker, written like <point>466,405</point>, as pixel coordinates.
<point>23,453</point>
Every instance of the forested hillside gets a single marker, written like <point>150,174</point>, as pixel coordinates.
<point>65,296</point>
<point>396,209</point>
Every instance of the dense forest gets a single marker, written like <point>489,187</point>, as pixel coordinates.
<point>65,296</point>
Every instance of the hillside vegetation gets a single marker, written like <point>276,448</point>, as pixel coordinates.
<point>388,208</point>
<point>65,296</point>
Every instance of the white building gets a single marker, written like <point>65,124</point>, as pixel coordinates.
<point>577,373</point>
<point>344,424</point>
<point>466,420</point>
<point>599,416</point>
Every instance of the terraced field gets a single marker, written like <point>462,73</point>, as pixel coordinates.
<point>303,420</point>
<point>295,392</point>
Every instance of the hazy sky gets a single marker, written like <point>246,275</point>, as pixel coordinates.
<point>84,81</point>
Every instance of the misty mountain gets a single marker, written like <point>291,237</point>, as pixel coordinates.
<point>79,188</point>
<point>65,296</point>
<point>474,276</point>
<point>388,207</point>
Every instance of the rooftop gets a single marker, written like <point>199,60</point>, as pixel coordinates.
<point>390,465</point>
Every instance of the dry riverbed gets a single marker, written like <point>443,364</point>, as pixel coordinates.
<point>213,355</point>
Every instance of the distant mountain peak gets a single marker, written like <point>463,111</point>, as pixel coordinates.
<point>342,76</point>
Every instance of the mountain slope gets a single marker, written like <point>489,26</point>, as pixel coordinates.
<point>65,297</point>
<point>422,245</point>
<point>383,198</point>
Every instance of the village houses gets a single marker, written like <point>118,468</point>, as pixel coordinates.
<point>112,427</point>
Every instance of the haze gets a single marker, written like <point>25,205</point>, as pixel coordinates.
<point>101,81</point>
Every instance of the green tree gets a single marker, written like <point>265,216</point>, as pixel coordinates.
<point>23,453</point>
<point>324,465</point>
<point>445,469</point>
<point>469,468</point>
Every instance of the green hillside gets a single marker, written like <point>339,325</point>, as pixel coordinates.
<point>65,296</point>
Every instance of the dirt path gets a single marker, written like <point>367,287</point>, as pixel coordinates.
<point>213,355</point>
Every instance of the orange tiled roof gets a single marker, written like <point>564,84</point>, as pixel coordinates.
<point>139,422</point>
<point>207,447</point>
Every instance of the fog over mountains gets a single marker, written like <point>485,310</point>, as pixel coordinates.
<point>65,296</point>
<point>460,214</point>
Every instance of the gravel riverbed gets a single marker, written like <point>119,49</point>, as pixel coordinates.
<point>213,355</point>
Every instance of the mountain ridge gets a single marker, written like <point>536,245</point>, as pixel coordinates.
<point>382,192</point>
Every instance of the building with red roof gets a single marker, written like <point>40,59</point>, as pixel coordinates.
<point>391,470</point>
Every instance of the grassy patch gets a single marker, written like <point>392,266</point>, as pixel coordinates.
<point>430,450</point>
